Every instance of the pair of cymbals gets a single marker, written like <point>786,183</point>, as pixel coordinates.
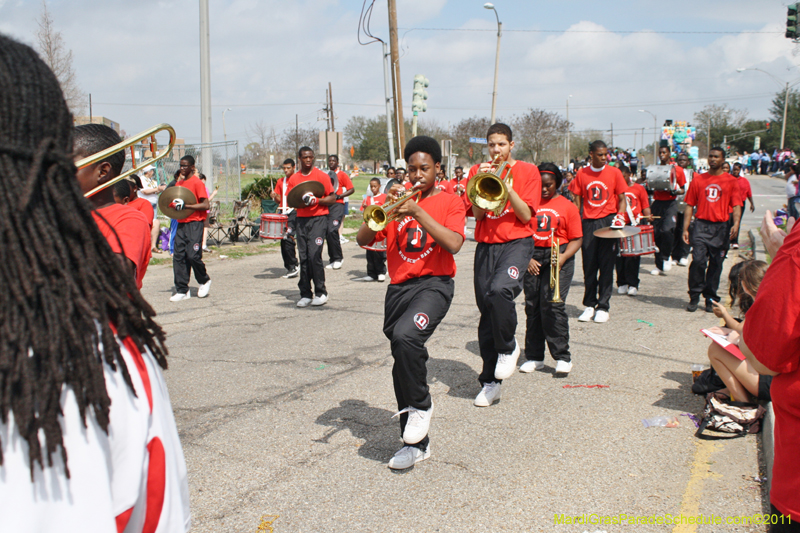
<point>176,193</point>
<point>617,233</point>
<point>295,196</point>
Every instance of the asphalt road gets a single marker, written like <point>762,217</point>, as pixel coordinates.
<point>285,412</point>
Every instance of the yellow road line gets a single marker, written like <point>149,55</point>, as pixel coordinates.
<point>690,503</point>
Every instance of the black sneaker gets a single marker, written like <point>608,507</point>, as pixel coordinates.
<point>709,306</point>
<point>692,307</point>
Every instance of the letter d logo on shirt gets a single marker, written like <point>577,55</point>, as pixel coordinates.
<point>513,272</point>
<point>421,320</point>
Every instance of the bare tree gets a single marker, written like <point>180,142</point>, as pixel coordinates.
<point>538,131</point>
<point>55,53</point>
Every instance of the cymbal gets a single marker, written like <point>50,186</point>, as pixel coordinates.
<point>391,183</point>
<point>295,196</point>
<point>171,194</point>
<point>617,233</point>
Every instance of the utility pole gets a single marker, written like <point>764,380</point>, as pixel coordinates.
<point>387,94</point>
<point>330,105</point>
<point>612,136</point>
<point>396,80</point>
<point>783,124</point>
<point>567,159</point>
<point>90,110</point>
<point>207,156</point>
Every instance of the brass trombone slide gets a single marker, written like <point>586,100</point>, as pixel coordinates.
<point>129,143</point>
<point>488,190</point>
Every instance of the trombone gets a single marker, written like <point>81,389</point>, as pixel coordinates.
<point>129,143</point>
<point>378,217</point>
<point>555,271</point>
<point>488,190</point>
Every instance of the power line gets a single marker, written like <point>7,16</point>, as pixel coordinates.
<point>598,31</point>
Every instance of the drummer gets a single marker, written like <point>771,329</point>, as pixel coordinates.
<point>666,207</point>
<point>288,246</point>
<point>637,205</point>
<point>681,250</point>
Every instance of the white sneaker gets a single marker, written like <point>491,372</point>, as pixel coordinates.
<point>601,316</point>
<point>507,363</point>
<point>381,277</point>
<point>178,296</point>
<point>622,289</point>
<point>563,367</point>
<point>417,425</point>
<point>365,278</point>
<point>530,366</point>
<point>343,239</point>
<point>336,265</point>
<point>319,300</point>
<point>587,315</point>
<point>667,265</point>
<point>656,272</point>
<point>632,291</point>
<point>408,456</point>
<point>202,292</point>
<point>684,261</point>
<point>488,394</point>
<point>292,273</point>
<point>304,302</point>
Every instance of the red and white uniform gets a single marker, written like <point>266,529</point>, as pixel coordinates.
<point>132,479</point>
<point>146,208</point>
<point>714,196</point>
<point>194,184</point>
<point>636,197</point>
<point>281,192</point>
<point>411,252</point>
<point>459,186</point>
<point>316,175</point>
<point>561,214</point>
<point>345,184</point>
<point>745,192</point>
<point>446,186</point>
<point>507,227</point>
<point>599,191</point>
<point>680,181</point>
<point>373,200</point>
<point>132,237</point>
<point>772,332</point>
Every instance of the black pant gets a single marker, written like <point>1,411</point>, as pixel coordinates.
<point>664,229</point>
<point>310,237</point>
<point>376,263</point>
<point>598,254</point>
<point>188,255</point>
<point>288,244</point>
<point>499,270</point>
<point>628,271</point>
<point>680,249</point>
<point>546,320</point>
<point>709,247</point>
<point>335,218</point>
<point>412,311</point>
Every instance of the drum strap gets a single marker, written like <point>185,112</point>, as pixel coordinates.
<point>632,218</point>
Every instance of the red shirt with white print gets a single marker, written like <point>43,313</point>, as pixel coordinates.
<point>373,200</point>
<point>445,186</point>
<point>599,191</point>
<point>507,227</point>
<point>316,174</point>
<point>680,181</point>
<point>637,199</point>
<point>558,213</point>
<point>714,196</point>
<point>345,184</point>
<point>411,252</point>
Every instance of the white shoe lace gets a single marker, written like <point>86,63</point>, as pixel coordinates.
<point>413,412</point>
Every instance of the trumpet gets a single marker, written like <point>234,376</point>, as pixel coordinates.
<point>555,271</point>
<point>378,217</point>
<point>488,190</point>
<point>128,143</point>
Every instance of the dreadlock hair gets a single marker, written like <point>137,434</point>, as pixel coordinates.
<point>93,138</point>
<point>61,286</point>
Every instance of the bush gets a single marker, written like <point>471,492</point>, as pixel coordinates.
<point>260,188</point>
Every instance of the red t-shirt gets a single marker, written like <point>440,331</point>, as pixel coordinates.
<point>714,196</point>
<point>599,190</point>
<point>345,184</point>
<point>558,213</point>
<point>507,227</point>
<point>145,207</point>
<point>744,188</point>
<point>407,185</point>
<point>133,230</point>
<point>772,332</point>
<point>373,200</point>
<point>194,184</point>
<point>680,181</point>
<point>445,185</point>
<point>411,252</point>
<point>637,199</point>
<point>316,175</point>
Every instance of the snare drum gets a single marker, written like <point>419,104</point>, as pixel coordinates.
<point>379,246</point>
<point>660,178</point>
<point>642,243</point>
<point>274,226</point>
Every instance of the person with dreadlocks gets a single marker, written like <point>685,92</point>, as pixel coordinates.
<point>88,440</point>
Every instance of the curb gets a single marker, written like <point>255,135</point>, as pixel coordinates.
<point>768,444</point>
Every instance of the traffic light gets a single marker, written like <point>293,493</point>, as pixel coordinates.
<point>791,21</point>
<point>769,126</point>
<point>420,94</point>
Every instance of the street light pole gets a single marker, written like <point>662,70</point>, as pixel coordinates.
<point>567,158</point>
<point>785,99</point>
<point>207,156</point>
<point>655,135</point>
<point>489,5</point>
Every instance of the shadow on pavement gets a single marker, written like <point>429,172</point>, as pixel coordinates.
<point>271,273</point>
<point>461,379</point>
<point>290,294</point>
<point>375,426</point>
<point>664,301</point>
<point>682,398</point>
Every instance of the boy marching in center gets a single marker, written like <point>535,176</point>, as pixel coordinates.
<point>505,246</point>
<point>420,245</point>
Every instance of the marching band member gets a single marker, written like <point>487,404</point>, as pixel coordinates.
<point>637,204</point>
<point>376,261</point>
<point>547,320</point>
<point>459,182</point>
<point>666,207</point>
<point>714,193</point>
<point>600,189</point>
<point>421,243</point>
<point>312,225</point>
<point>505,247</point>
<point>336,211</point>
<point>288,241</point>
<point>443,184</point>
<point>747,195</point>
<point>680,250</point>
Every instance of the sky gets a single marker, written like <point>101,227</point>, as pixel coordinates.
<point>272,60</point>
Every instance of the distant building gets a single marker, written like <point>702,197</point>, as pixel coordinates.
<point>80,121</point>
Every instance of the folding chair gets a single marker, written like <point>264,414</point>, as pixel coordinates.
<point>216,231</point>
<point>241,227</point>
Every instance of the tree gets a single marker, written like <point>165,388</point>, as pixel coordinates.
<point>368,138</point>
<point>293,138</point>
<point>792,119</point>
<point>56,55</point>
<point>539,131</point>
<point>723,121</point>
<point>460,134</point>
